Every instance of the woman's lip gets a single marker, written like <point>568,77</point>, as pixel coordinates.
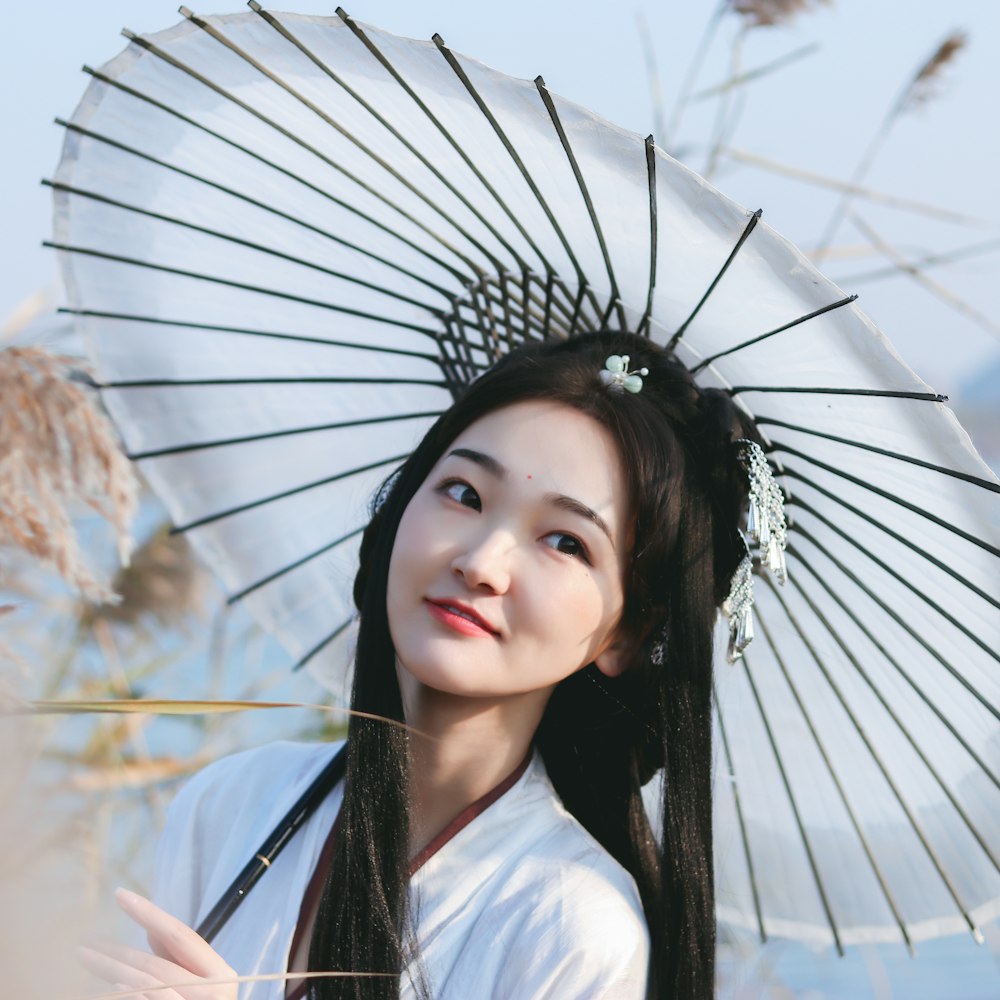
<point>447,612</point>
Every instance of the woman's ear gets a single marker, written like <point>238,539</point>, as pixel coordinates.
<point>613,660</point>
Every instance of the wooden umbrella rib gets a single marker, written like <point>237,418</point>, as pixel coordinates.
<point>682,329</point>
<point>257,203</point>
<point>643,326</point>
<point>247,332</point>
<point>838,784</point>
<point>240,241</point>
<point>150,47</point>
<point>741,819</point>
<point>347,473</point>
<point>778,446</point>
<point>244,286</point>
<point>803,532</point>
<point>452,61</point>
<point>705,362</point>
<point>888,453</point>
<point>179,449</point>
<point>550,107</point>
<point>856,663</point>
<point>160,383</point>
<point>908,584</point>
<point>290,37</point>
<point>321,645</point>
<point>930,397</point>
<point>457,146</point>
<point>284,171</point>
<point>895,663</point>
<point>897,793</point>
<point>271,577</point>
<point>824,900</point>
<point>797,501</point>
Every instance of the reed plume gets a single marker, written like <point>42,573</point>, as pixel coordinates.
<point>923,85</point>
<point>768,13</point>
<point>57,450</point>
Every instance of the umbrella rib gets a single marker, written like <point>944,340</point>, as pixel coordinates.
<point>905,626</point>
<point>954,622</point>
<point>740,818</point>
<point>964,476</point>
<point>244,331</point>
<point>211,518</point>
<point>704,363</point>
<point>940,522</point>
<point>653,238</point>
<point>270,435</point>
<point>896,536</point>
<point>317,189</point>
<point>271,577</point>
<point>354,247</point>
<point>320,645</point>
<point>159,383</point>
<point>931,397</point>
<point>146,44</point>
<point>452,61</point>
<point>557,124</point>
<point>795,808</point>
<point>457,146</point>
<point>856,823</point>
<point>239,241</point>
<point>883,649</point>
<point>274,293</point>
<point>682,329</point>
<point>895,718</point>
<point>323,67</point>
<point>921,836</point>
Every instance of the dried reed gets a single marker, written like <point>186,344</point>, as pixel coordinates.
<point>57,449</point>
<point>768,13</point>
<point>923,85</point>
<point>163,581</point>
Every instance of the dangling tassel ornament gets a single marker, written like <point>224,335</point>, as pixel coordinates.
<point>767,529</point>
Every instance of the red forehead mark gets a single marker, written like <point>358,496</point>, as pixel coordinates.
<point>529,475</point>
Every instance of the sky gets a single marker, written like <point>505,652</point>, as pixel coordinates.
<point>817,114</point>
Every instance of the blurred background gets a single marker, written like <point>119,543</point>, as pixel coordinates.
<point>866,132</point>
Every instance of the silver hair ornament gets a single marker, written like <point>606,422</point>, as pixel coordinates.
<point>765,527</point>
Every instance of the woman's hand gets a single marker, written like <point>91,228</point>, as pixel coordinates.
<point>180,956</point>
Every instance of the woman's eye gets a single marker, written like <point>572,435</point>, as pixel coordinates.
<point>570,545</point>
<point>462,493</point>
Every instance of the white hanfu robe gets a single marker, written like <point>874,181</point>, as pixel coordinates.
<point>520,904</point>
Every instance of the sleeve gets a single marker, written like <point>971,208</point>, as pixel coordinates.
<point>591,946</point>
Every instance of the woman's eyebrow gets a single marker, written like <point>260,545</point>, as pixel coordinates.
<point>576,507</point>
<point>488,462</point>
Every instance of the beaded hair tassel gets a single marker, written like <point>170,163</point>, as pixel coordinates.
<point>765,528</point>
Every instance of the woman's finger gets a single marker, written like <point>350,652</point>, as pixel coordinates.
<point>113,970</point>
<point>172,939</point>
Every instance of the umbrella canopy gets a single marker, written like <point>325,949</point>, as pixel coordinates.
<point>290,240</point>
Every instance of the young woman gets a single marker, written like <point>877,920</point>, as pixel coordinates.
<point>538,594</point>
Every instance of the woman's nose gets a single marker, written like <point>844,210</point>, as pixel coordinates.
<point>485,562</point>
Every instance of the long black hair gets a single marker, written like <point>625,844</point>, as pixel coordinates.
<point>601,738</point>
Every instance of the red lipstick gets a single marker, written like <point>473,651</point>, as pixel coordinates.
<point>460,617</point>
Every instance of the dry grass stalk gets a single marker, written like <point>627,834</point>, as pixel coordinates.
<point>769,13</point>
<point>923,86</point>
<point>163,581</point>
<point>57,448</point>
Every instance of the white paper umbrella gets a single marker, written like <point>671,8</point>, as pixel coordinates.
<point>289,240</point>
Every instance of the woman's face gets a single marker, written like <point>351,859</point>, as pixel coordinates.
<point>506,573</point>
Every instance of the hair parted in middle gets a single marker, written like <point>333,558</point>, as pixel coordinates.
<point>601,738</point>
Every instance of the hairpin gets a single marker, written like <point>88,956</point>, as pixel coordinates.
<point>617,377</point>
<point>766,527</point>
